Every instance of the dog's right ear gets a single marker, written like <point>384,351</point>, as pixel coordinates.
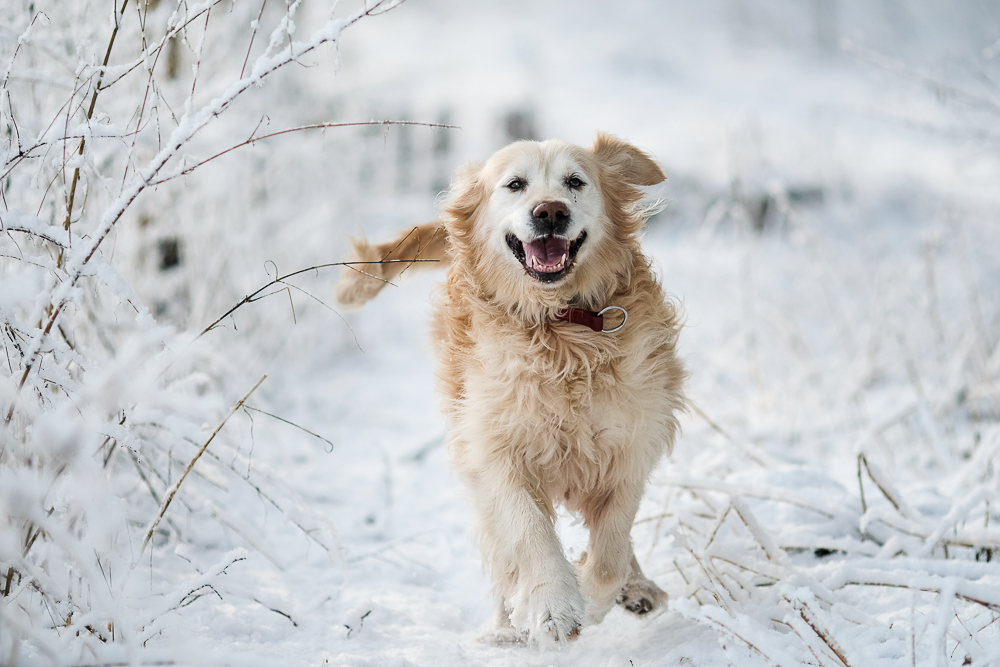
<point>630,164</point>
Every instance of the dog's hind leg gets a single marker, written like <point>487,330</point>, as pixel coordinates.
<point>608,565</point>
<point>640,595</point>
<point>373,266</point>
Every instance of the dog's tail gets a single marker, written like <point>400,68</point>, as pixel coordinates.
<point>374,266</point>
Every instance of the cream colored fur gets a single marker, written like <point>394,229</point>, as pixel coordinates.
<point>545,412</point>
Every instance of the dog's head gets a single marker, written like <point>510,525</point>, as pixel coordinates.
<point>550,222</point>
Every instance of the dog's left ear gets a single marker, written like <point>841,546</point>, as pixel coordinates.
<point>629,163</point>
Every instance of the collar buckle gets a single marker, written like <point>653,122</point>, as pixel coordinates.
<point>588,318</point>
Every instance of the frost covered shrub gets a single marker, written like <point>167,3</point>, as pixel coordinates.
<point>105,120</point>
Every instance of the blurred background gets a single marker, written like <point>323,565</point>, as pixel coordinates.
<point>823,102</point>
<point>833,170</point>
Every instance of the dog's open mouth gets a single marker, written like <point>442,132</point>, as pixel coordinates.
<point>546,259</point>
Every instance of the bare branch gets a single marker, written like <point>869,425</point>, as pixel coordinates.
<point>252,139</point>
<point>90,113</point>
<point>252,36</point>
<point>250,298</point>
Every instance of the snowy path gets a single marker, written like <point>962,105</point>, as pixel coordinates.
<point>406,588</point>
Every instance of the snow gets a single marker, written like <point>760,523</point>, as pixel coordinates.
<point>829,227</point>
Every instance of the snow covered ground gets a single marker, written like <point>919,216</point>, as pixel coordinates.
<point>830,225</point>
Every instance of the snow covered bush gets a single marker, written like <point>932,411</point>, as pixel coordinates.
<point>108,118</point>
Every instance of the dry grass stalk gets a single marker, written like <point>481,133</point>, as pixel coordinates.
<point>726,628</point>
<point>812,620</point>
<point>772,551</point>
<point>992,606</point>
<point>878,477</point>
<point>172,491</point>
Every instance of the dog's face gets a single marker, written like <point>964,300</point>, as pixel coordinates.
<point>548,221</point>
<point>544,209</point>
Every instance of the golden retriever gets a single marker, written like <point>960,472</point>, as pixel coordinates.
<point>557,368</point>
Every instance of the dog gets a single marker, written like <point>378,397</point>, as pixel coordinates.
<point>557,369</point>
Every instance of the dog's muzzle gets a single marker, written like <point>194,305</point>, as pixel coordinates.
<point>547,259</point>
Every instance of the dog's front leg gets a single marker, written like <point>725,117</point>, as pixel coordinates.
<point>531,576</point>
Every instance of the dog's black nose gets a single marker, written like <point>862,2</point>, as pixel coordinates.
<point>550,218</point>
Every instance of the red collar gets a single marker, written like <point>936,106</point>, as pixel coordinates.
<point>589,318</point>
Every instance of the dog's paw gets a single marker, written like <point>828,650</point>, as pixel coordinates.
<point>562,632</point>
<point>641,596</point>
<point>549,612</point>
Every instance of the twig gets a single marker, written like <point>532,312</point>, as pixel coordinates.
<point>861,486</point>
<point>90,113</point>
<point>196,68</point>
<point>4,90</point>
<point>169,34</point>
<point>732,489</point>
<point>172,491</point>
<point>252,36</point>
<point>308,532</point>
<point>420,248</point>
<point>278,611</point>
<point>701,413</point>
<point>33,232</point>
<point>771,550</point>
<point>172,32</point>
<point>725,627</point>
<point>718,525</point>
<point>813,622</point>
<point>252,139</point>
<point>290,423</point>
<point>182,603</point>
<point>250,298</point>
<point>717,587</point>
<point>992,606</point>
<point>10,577</point>
<point>386,547</point>
<point>727,559</point>
<point>876,475</point>
<point>361,624</point>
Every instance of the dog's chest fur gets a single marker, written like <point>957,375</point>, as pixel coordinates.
<point>562,406</point>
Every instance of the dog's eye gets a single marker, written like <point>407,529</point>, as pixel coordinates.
<point>574,183</point>
<point>516,184</point>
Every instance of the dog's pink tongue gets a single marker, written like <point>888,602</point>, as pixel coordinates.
<point>548,254</point>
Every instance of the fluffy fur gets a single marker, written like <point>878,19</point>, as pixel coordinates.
<point>542,411</point>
